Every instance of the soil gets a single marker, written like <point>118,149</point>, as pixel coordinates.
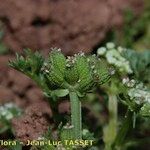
<point>72,25</point>
<point>34,123</point>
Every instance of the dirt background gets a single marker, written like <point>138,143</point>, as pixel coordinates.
<point>72,25</point>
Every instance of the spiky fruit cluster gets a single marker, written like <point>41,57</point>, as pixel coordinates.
<point>79,71</point>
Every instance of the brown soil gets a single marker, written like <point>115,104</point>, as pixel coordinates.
<point>72,25</point>
<point>34,123</point>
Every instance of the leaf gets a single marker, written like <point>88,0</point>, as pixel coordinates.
<point>140,64</point>
<point>31,64</point>
<point>18,146</point>
<point>61,92</point>
<point>48,147</point>
<point>3,129</point>
<point>87,135</point>
<point>145,110</point>
<point>80,94</point>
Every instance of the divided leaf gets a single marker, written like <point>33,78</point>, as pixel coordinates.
<point>140,64</point>
<point>30,65</point>
<point>145,110</point>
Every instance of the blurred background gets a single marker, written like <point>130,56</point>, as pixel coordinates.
<point>73,26</point>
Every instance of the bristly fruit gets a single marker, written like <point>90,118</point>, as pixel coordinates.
<point>85,75</point>
<point>67,132</point>
<point>103,73</point>
<point>57,65</point>
<point>71,73</point>
<point>79,72</point>
<point>99,70</point>
<point>58,60</point>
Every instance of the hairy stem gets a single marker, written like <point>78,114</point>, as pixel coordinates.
<point>76,115</point>
<point>110,130</point>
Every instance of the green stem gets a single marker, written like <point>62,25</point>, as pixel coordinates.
<point>110,131</point>
<point>123,131</point>
<point>76,115</point>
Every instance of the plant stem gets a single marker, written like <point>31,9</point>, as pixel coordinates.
<point>110,131</point>
<point>76,115</point>
<point>123,131</point>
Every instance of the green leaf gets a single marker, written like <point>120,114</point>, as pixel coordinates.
<point>31,64</point>
<point>4,129</point>
<point>145,110</point>
<point>48,147</point>
<point>18,146</point>
<point>61,92</point>
<point>140,64</point>
<point>87,135</point>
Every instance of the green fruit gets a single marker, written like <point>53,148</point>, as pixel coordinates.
<point>57,66</point>
<point>67,133</point>
<point>101,73</point>
<point>85,74</point>
<point>57,60</point>
<point>86,85</point>
<point>55,79</point>
<point>71,75</point>
<point>83,67</point>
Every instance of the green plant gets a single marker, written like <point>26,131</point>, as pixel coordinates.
<point>59,76</point>
<point>77,76</point>
<point>129,85</point>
